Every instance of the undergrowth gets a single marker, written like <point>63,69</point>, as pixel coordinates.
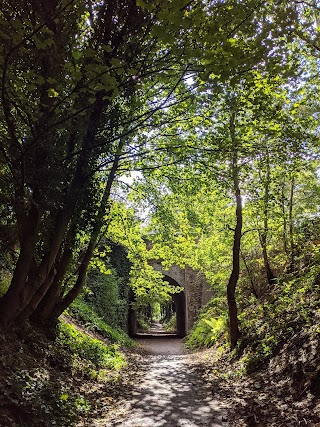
<point>292,308</point>
<point>82,312</point>
<point>45,383</point>
<point>211,325</point>
<point>171,325</point>
<point>143,324</point>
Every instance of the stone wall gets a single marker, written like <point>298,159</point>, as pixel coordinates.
<point>198,293</point>
<point>174,272</point>
<point>196,289</point>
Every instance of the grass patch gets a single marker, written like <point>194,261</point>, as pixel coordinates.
<point>83,347</point>
<point>55,383</point>
<point>91,321</point>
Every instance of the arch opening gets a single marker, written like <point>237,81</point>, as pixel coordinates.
<point>176,306</point>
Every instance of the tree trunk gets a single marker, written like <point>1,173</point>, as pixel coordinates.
<point>291,239</point>
<point>18,294</point>
<point>234,331</point>
<point>264,234</point>
<point>37,297</point>
<point>42,304</point>
<point>78,286</point>
<point>284,217</point>
<point>64,302</point>
<point>267,267</point>
<point>75,192</point>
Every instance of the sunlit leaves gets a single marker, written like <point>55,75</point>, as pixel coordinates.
<point>147,284</point>
<point>52,93</point>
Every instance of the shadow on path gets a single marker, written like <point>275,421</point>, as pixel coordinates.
<point>170,394</point>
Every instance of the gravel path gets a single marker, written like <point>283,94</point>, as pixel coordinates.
<point>170,394</point>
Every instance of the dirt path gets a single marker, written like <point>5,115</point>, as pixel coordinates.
<point>170,394</point>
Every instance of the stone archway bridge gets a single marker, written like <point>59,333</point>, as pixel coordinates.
<point>196,292</point>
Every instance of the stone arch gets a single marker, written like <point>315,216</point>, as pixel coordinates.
<point>175,276</point>
<point>179,300</point>
<point>174,273</point>
<point>196,293</point>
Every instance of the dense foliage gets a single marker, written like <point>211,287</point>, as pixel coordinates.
<point>174,130</point>
<point>113,85</point>
<point>192,126</point>
<point>45,383</point>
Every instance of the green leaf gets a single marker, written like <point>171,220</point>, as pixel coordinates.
<point>52,93</point>
<point>64,397</point>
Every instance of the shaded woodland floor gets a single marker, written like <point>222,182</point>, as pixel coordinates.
<point>266,398</point>
<point>199,389</point>
<point>169,394</point>
<point>162,385</point>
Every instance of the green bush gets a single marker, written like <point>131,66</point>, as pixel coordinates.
<point>108,285</point>
<point>142,323</point>
<point>218,327</point>
<point>85,314</point>
<point>211,325</point>
<point>102,295</point>
<point>91,349</point>
<point>35,393</point>
<point>171,325</point>
<point>200,336</point>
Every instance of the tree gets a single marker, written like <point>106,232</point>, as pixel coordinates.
<point>234,331</point>
<point>98,73</point>
<point>80,63</point>
<point>229,153</point>
<point>83,63</point>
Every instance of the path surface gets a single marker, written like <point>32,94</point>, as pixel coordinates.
<point>169,394</point>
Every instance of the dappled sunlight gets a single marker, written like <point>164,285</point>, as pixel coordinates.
<point>170,394</point>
